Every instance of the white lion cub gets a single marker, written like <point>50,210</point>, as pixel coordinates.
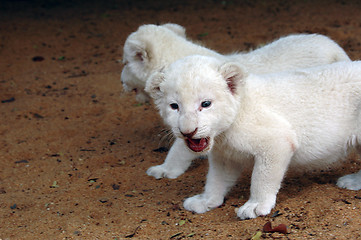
<point>303,117</point>
<point>152,48</point>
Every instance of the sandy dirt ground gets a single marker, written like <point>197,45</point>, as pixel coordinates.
<point>74,148</point>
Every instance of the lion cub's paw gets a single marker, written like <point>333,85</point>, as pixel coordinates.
<point>161,171</point>
<point>254,209</point>
<point>201,204</point>
<point>351,181</point>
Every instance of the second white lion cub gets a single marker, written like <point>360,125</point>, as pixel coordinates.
<point>299,118</point>
<point>152,47</point>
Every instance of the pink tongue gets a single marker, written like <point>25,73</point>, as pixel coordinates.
<point>197,145</point>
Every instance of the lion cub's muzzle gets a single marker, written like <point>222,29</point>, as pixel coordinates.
<point>195,144</point>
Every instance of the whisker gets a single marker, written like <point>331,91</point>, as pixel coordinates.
<point>201,130</point>
<point>166,137</point>
<point>220,139</point>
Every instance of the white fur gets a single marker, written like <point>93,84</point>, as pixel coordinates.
<point>298,118</point>
<point>152,47</point>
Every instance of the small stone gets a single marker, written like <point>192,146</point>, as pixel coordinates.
<point>38,59</point>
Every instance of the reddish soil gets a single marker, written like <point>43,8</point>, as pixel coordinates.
<point>74,147</point>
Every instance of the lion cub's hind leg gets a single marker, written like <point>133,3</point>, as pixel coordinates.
<point>351,181</point>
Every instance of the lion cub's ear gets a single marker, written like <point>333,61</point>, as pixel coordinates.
<point>233,74</point>
<point>152,87</point>
<point>178,29</point>
<point>138,51</point>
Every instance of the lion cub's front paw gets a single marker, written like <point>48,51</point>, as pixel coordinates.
<point>161,171</point>
<point>253,209</point>
<point>201,204</point>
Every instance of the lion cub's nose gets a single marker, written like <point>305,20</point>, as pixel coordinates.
<point>189,135</point>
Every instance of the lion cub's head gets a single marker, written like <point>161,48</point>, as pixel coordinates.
<point>198,97</point>
<point>144,52</point>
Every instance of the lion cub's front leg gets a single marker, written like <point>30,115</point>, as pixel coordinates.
<point>268,172</point>
<point>221,177</point>
<point>176,163</point>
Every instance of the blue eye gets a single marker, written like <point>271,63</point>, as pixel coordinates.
<point>174,106</point>
<point>206,104</point>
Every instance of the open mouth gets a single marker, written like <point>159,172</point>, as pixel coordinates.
<point>197,145</point>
